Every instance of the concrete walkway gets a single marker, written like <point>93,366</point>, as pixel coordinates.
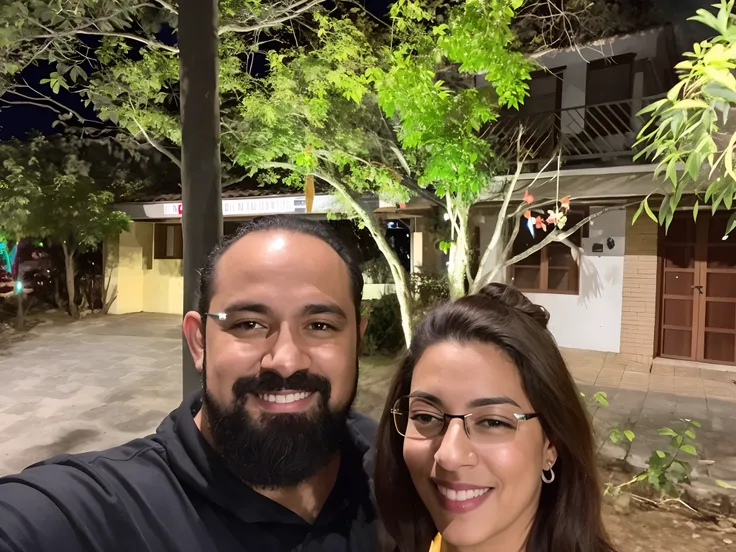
<point>105,380</point>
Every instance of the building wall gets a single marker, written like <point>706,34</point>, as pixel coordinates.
<point>638,316</point>
<point>592,319</point>
<point>143,284</point>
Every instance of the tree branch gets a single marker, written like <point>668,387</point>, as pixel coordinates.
<point>129,36</point>
<point>266,24</point>
<point>174,159</point>
<point>168,7</point>
<point>59,110</point>
<point>554,236</point>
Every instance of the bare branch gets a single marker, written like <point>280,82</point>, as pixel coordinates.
<point>152,43</point>
<point>270,23</point>
<point>168,7</point>
<point>174,159</point>
<point>53,105</point>
<point>554,236</point>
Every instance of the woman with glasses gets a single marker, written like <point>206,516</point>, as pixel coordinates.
<point>484,444</point>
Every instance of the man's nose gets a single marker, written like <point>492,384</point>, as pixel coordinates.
<point>456,450</point>
<point>285,356</point>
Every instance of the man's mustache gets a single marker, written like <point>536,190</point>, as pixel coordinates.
<point>267,382</point>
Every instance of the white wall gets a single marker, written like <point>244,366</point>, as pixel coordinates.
<point>592,319</point>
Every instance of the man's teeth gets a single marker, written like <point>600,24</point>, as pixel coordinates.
<point>284,399</point>
<point>462,495</point>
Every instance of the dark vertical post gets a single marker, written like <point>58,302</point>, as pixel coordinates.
<point>200,158</point>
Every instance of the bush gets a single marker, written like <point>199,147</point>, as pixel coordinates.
<point>383,335</point>
<point>427,291</point>
<point>378,271</point>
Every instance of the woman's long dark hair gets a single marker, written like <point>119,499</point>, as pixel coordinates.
<point>569,515</point>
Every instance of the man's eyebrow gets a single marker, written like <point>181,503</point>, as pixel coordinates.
<point>324,308</point>
<point>247,306</point>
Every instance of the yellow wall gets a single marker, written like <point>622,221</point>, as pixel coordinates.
<point>143,284</point>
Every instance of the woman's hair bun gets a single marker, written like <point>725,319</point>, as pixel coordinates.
<point>512,298</point>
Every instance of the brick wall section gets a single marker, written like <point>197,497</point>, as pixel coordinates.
<point>638,319</point>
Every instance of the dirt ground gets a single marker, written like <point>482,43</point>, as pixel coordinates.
<point>660,531</point>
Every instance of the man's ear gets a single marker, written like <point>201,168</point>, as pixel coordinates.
<point>361,332</point>
<point>193,332</point>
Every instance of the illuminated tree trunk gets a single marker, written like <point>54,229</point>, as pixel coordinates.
<point>200,163</point>
<point>459,255</point>
<point>70,272</point>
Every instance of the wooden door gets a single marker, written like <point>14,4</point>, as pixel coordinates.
<point>717,292</point>
<point>698,290</point>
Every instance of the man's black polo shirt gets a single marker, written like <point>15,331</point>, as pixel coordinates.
<point>170,492</point>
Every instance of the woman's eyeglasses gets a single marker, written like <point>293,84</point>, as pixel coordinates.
<point>418,418</point>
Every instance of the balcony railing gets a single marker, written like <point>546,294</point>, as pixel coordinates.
<point>590,135</point>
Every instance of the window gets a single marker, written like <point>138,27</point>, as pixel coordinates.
<point>551,269</point>
<point>608,91</point>
<point>167,242</point>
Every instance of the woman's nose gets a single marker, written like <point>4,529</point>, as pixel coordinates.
<point>455,450</point>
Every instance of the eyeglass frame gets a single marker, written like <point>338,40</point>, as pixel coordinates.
<point>219,316</point>
<point>447,418</point>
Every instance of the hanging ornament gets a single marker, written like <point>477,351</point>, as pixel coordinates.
<point>309,192</point>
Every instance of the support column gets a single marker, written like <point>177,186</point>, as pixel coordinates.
<point>200,158</point>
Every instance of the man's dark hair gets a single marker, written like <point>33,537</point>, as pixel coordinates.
<point>288,223</point>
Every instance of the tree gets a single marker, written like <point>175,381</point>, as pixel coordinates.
<point>122,58</point>
<point>394,112</point>
<point>56,189</point>
<point>689,132</point>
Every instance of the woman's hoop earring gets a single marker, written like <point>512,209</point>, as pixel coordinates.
<point>551,477</point>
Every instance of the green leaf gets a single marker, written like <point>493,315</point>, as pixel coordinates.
<point>674,92</point>
<point>629,434</point>
<point>689,449</point>
<point>615,436</point>
<point>690,433</point>
<point>649,212</point>
<point>601,397</point>
<point>660,453</point>
<point>695,210</point>
<point>694,423</point>
<point>638,211</point>
<point>730,226</point>
<point>667,431</point>
<point>723,484</point>
<point>694,161</point>
<point>690,103</point>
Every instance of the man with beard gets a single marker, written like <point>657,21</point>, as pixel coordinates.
<point>267,457</point>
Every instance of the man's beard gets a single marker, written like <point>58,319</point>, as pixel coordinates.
<point>277,450</point>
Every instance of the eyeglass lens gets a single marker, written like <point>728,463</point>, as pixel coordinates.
<point>416,418</point>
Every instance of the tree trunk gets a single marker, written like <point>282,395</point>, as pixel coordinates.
<point>20,315</point>
<point>69,269</point>
<point>459,261</point>
<point>200,162</point>
<point>401,280</point>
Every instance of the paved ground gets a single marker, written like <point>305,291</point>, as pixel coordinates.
<point>103,381</point>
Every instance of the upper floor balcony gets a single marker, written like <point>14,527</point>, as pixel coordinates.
<point>602,134</point>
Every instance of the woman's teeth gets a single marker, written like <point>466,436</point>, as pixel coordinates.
<point>462,495</point>
<point>284,399</point>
